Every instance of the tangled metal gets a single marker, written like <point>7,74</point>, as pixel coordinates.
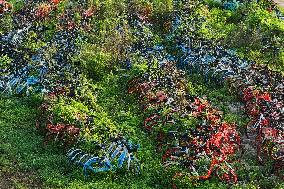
<point>163,96</point>
<point>260,89</point>
<point>118,153</point>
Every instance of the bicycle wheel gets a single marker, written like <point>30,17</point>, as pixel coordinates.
<point>97,165</point>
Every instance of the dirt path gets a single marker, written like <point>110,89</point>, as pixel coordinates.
<point>280,3</point>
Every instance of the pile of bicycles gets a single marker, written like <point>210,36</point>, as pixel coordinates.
<point>116,154</point>
<point>221,66</point>
<point>162,93</point>
<point>259,88</point>
<point>47,67</point>
<point>266,127</point>
<point>111,156</point>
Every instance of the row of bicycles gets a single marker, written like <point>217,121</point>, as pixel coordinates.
<point>162,94</point>
<point>259,88</point>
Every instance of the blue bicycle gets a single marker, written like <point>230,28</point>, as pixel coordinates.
<point>119,152</point>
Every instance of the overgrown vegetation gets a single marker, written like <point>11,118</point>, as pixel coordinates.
<point>253,29</point>
<point>70,62</point>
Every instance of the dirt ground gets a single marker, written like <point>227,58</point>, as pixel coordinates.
<point>15,180</point>
<point>280,3</point>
